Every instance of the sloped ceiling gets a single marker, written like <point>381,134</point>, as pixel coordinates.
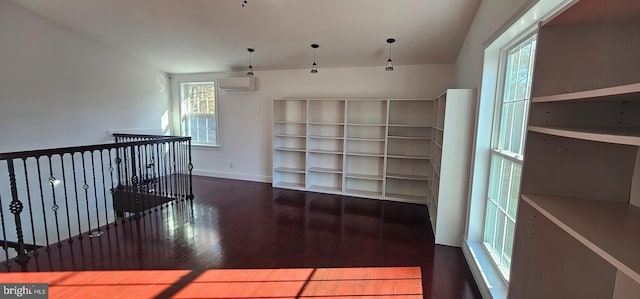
<point>191,36</point>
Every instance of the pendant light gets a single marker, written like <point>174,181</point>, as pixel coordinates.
<point>314,66</point>
<point>389,63</point>
<point>250,69</point>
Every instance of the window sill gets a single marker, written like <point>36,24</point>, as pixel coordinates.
<point>205,146</point>
<point>487,277</point>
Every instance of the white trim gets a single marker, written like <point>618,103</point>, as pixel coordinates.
<point>483,270</point>
<point>233,175</point>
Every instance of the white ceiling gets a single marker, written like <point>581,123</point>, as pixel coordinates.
<point>190,36</point>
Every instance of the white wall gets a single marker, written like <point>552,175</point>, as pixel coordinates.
<point>58,88</point>
<point>245,117</point>
<point>491,16</point>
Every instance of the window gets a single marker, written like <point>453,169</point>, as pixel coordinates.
<point>507,148</point>
<point>198,112</point>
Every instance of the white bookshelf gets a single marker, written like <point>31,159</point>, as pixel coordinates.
<point>581,175</point>
<point>449,143</point>
<point>373,148</point>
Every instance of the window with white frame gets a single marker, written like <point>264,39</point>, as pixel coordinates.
<point>507,149</point>
<point>198,112</point>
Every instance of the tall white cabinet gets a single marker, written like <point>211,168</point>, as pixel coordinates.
<point>391,149</point>
<point>578,229</point>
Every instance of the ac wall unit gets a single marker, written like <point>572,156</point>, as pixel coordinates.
<point>237,83</point>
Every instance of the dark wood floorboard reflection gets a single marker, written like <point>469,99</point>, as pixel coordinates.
<point>247,225</point>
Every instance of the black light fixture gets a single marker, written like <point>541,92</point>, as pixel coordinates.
<point>244,2</point>
<point>314,66</point>
<point>389,63</point>
<point>250,69</point>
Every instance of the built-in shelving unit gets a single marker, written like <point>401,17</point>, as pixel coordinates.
<point>581,177</point>
<point>373,148</point>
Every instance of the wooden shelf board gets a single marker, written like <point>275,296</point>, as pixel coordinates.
<point>608,228</point>
<point>290,149</point>
<point>439,129</point>
<point>407,198</point>
<point>410,126</point>
<point>364,154</point>
<point>316,151</point>
<point>591,94</point>
<point>415,157</point>
<point>407,177</point>
<point>326,123</point>
<point>326,137</point>
<point>289,136</point>
<point>289,185</point>
<point>410,137</point>
<point>373,177</point>
<point>289,169</point>
<point>325,189</point>
<point>325,170</point>
<point>366,125</point>
<point>437,144</point>
<point>289,122</point>
<point>366,139</point>
<point>628,136</point>
<point>369,194</point>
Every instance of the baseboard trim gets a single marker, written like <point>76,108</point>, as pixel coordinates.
<point>489,283</point>
<point>232,175</point>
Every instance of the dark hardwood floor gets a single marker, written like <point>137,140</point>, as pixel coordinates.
<point>247,225</point>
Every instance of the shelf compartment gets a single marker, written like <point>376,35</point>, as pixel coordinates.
<point>369,132</point>
<point>364,167</point>
<point>326,111</point>
<point>295,129</point>
<point>289,180</point>
<point>365,147</point>
<point>408,168</point>
<point>322,144</point>
<point>610,229</point>
<point>410,132</point>
<point>324,160</point>
<point>324,130</point>
<point>407,190</point>
<point>409,147</point>
<point>609,113</point>
<point>367,111</point>
<point>284,160</point>
<point>289,169</point>
<point>288,142</point>
<point>325,182</point>
<point>626,136</point>
<point>325,170</point>
<point>360,187</point>
<point>289,111</point>
<point>411,113</point>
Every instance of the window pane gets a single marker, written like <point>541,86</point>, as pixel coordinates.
<point>506,157</point>
<point>198,110</point>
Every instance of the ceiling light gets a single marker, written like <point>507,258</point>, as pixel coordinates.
<point>314,66</point>
<point>244,2</point>
<point>250,69</point>
<point>389,63</point>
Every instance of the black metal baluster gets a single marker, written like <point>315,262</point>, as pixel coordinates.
<point>158,175</point>
<point>134,182</point>
<point>75,190</point>
<point>165,155</point>
<point>115,220</point>
<point>104,190</point>
<point>33,232</point>
<point>175,171</point>
<point>4,237</point>
<point>66,197</point>
<point>54,207</point>
<point>44,214</point>
<point>16,207</point>
<point>128,188</point>
<point>190,167</point>
<point>183,192</point>
<point>97,231</point>
<point>141,187</point>
<point>118,164</point>
<point>85,186</point>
